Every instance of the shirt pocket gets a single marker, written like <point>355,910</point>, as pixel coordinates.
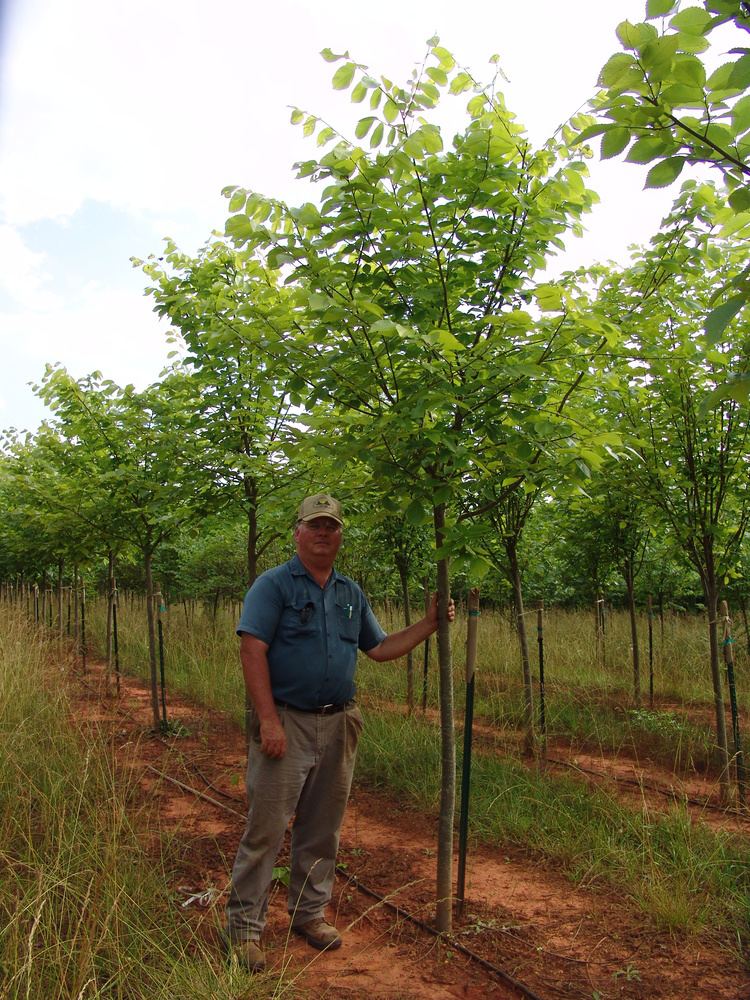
<point>300,619</point>
<point>348,621</point>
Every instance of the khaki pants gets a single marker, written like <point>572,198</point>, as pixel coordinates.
<point>311,783</point>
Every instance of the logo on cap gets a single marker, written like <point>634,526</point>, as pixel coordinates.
<point>320,505</point>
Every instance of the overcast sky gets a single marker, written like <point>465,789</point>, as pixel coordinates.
<point>121,123</point>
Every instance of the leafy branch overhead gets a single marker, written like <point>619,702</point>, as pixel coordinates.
<point>661,104</point>
<point>412,307</point>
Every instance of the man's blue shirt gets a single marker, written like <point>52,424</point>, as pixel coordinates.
<point>312,634</point>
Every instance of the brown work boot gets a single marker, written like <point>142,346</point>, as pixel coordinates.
<point>248,953</point>
<point>319,933</point>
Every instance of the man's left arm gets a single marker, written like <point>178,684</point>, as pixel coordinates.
<point>400,643</point>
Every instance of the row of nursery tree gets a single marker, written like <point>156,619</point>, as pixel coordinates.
<point>395,341</point>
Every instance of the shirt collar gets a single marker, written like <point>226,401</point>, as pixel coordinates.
<point>297,569</point>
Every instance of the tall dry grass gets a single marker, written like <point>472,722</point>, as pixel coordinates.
<point>85,911</point>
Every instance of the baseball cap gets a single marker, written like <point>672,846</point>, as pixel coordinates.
<point>319,505</point>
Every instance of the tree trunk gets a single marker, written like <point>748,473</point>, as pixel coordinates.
<point>147,562</point>
<point>444,911</point>
<point>251,499</point>
<point>404,576</point>
<point>60,567</point>
<point>630,586</point>
<point>528,687</point>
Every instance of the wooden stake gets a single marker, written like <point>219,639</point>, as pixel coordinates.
<point>650,652</point>
<point>540,645</point>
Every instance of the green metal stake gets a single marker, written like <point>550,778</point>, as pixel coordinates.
<point>83,630</point>
<point>159,608</point>
<point>463,822</point>
<point>426,666</point>
<point>728,642</point>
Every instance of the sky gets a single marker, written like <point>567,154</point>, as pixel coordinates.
<point>121,123</point>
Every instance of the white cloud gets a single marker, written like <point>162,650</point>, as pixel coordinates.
<point>23,272</point>
<point>151,108</point>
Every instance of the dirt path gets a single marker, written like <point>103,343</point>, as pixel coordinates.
<point>560,941</point>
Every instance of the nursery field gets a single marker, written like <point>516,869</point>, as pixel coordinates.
<point>607,868</point>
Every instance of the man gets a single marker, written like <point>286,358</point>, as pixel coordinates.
<point>301,626</point>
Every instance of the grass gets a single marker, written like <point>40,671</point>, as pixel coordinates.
<point>85,911</point>
<point>683,875</point>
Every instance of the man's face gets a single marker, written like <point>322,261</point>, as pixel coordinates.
<point>319,540</point>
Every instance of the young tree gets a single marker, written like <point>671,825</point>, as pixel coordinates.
<point>691,442</point>
<point>240,395</point>
<point>403,320</point>
<point>139,449</point>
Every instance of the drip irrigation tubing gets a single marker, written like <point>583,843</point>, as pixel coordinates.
<point>451,941</point>
<point>366,891</point>
<point>170,746</point>
<point>669,793</point>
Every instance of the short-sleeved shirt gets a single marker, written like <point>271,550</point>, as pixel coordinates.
<point>312,633</point>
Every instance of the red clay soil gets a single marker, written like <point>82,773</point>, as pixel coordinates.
<point>521,917</point>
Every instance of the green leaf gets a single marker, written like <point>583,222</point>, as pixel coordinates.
<point>693,20</point>
<point>343,76</point>
<point>296,116</point>
<point>657,56</point>
<point>664,173</point>
<point>740,75</point>
<point>444,56</point>
<point>590,132</point>
<point>720,317</point>
<point>445,340</point>
<point>548,297</point>
<point>737,388</point>
<point>476,105</point>
<point>477,569</point>
<point>614,141</point>
<point>658,8</point>
<point>364,125</point>
<point>615,69</point>
<point>359,93</point>
<point>390,111</point>
<point>433,141</point>
<point>438,76</point>
<point>635,36</point>
<point>739,199</point>
<point>237,201</point>
<point>741,115</point>
<point>689,70</point>
<point>415,513</point>
<point>460,82</point>
<point>377,136</point>
<point>332,56</point>
<point>647,148</point>
<point>239,228</point>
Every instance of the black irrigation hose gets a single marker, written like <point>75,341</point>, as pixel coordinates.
<point>361,887</point>
<point>170,746</point>
<point>195,791</point>
<point>667,792</point>
<point>405,915</point>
